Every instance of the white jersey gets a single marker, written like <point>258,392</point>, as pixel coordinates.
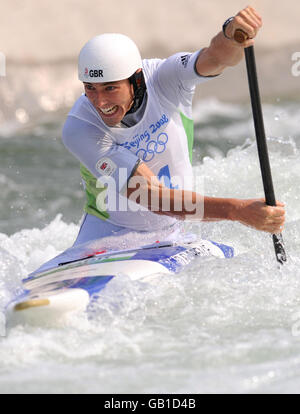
<point>163,139</point>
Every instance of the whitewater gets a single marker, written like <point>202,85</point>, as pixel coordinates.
<point>221,326</point>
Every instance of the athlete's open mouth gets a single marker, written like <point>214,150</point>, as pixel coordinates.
<point>109,111</point>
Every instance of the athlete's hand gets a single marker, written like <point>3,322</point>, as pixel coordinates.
<point>255,213</point>
<point>247,20</point>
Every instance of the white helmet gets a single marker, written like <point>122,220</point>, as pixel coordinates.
<point>107,58</point>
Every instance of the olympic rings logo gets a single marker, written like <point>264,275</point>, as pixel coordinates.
<point>153,147</point>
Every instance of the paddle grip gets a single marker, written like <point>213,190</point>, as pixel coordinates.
<point>240,36</point>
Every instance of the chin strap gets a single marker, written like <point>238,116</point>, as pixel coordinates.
<point>139,88</point>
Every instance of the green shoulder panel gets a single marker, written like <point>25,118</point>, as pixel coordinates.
<point>92,192</point>
<point>188,125</point>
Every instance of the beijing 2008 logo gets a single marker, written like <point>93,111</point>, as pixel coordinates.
<point>153,147</point>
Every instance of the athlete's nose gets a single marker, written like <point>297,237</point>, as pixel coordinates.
<point>100,100</point>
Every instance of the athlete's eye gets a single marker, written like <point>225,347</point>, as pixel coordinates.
<point>89,87</point>
<point>110,88</point>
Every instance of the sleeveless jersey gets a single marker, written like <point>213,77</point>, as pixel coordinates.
<point>163,139</point>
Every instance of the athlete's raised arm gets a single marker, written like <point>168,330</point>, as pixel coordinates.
<point>223,50</point>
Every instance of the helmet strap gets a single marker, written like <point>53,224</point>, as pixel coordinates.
<point>137,80</point>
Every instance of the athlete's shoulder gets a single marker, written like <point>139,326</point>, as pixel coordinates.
<point>81,104</point>
<point>82,121</point>
<point>150,66</point>
<point>84,111</point>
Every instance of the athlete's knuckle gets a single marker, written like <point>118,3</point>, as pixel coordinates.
<point>238,19</point>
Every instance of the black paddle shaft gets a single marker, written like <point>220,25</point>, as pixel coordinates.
<point>262,145</point>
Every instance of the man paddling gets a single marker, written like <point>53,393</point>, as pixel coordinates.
<point>132,132</point>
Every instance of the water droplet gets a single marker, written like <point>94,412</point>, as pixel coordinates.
<point>22,115</point>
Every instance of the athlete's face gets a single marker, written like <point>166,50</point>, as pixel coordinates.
<point>111,99</point>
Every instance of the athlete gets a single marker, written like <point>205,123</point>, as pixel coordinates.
<point>132,132</point>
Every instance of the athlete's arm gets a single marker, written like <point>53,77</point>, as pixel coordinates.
<point>223,52</point>
<point>145,189</point>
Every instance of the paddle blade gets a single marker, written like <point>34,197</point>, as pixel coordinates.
<point>279,248</point>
